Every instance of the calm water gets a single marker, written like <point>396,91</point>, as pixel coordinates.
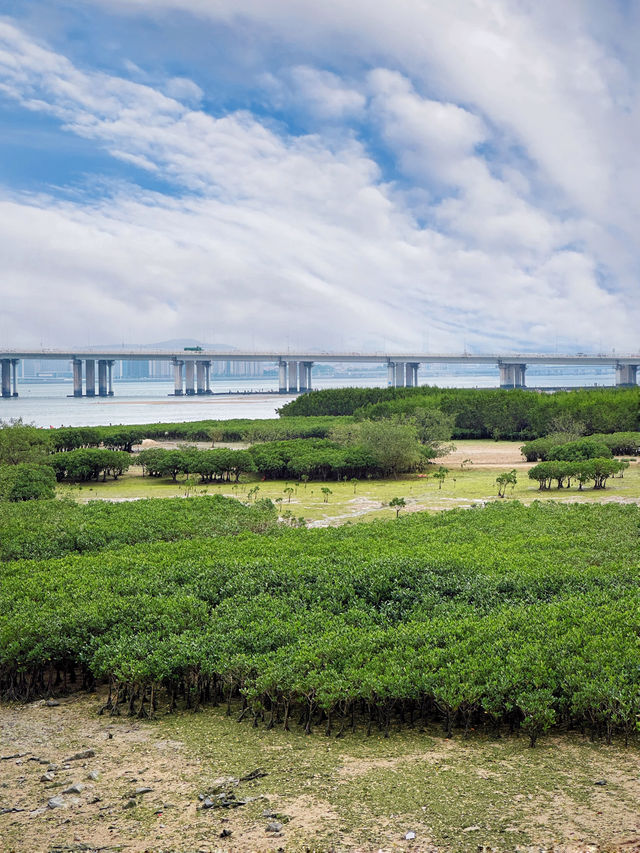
<point>149,402</point>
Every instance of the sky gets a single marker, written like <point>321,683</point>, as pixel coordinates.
<point>404,175</point>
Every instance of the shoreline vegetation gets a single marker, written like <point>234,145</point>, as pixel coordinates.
<point>510,620</point>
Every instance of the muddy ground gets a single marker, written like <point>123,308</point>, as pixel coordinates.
<point>354,794</point>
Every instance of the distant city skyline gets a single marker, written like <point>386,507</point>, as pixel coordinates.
<point>410,175</point>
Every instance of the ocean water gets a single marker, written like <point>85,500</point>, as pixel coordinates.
<point>49,404</point>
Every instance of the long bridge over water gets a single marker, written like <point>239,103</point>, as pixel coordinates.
<point>192,366</point>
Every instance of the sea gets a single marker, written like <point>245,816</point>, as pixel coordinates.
<point>51,404</point>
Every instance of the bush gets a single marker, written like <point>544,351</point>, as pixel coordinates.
<point>583,448</point>
<point>27,482</point>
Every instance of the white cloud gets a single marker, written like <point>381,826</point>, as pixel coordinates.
<point>185,90</point>
<point>275,237</point>
<point>321,93</point>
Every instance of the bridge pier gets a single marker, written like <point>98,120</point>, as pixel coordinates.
<point>6,377</point>
<point>305,376</point>
<point>282,377</point>
<point>77,377</point>
<point>177,378</point>
<point>411,371</point>
<point>110,364</point>
<point>292,368</point>
<point>90,377</point>
<point>512,375</point>
<point>207,377</point>
<point>14,376</point>
<point>399,375</point>
<point>408,375</point>
<point>200,389</point>
<point>189,378</point>
<point>102,378</point>
<point>626,374</point>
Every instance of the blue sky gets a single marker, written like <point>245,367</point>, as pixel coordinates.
<point>335,175</point>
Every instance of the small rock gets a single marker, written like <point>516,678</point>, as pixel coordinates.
<point>226,833</point>
<point>268,813</point>
<point>56,803</point>
<point>208,803</point>
<point>94,800</point>
<point>471,829</point>
<point>47,777</point>
<point>94,775</point>
<point>43,761</point>
<point>601,782</point>
<point>130,804</point>
<point>224,782</point>
<point>78,788</point>
<point>78,756</point>
<point>201,797</point>
<point>37,812</point>
<point>255,774</point>
<point>410,836</point>
<point>52,768</point>
<point>52,703</point>
<point>143,790</point>
<point>274,826</point>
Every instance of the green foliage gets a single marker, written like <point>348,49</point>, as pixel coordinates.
<point>21,442</point>
<point>507,478</point>
<point>341,401</point>
<point>583,448</point>
<point>313,459</point>
<point>440,475</point>
<point>479,413</point>
<point>26,481</point>
<point>392,446</point>
<point>216,465</point>
<point>397,504</point>
<point>582,470</point>
<point>89,464</point>
<point>54,528</point>
<point>616,443</point>
<point>504,615</point>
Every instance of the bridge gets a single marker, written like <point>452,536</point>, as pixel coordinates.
<point>192,366</point>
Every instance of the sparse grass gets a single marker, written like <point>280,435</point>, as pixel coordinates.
<point>367,792</point>
<point>355,793</point>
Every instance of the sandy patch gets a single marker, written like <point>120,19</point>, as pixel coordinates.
<point>486,454</point>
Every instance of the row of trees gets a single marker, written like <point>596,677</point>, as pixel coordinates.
<point>614,444</point>
<point>89,464</point>
<point>217,465</point>
<point>125,437</point>
<point>481,413</point>
<point>582,471</point>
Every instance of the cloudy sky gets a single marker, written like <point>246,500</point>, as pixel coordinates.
<point>399,175</point>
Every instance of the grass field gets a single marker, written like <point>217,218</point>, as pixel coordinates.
<point>467,482</point>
